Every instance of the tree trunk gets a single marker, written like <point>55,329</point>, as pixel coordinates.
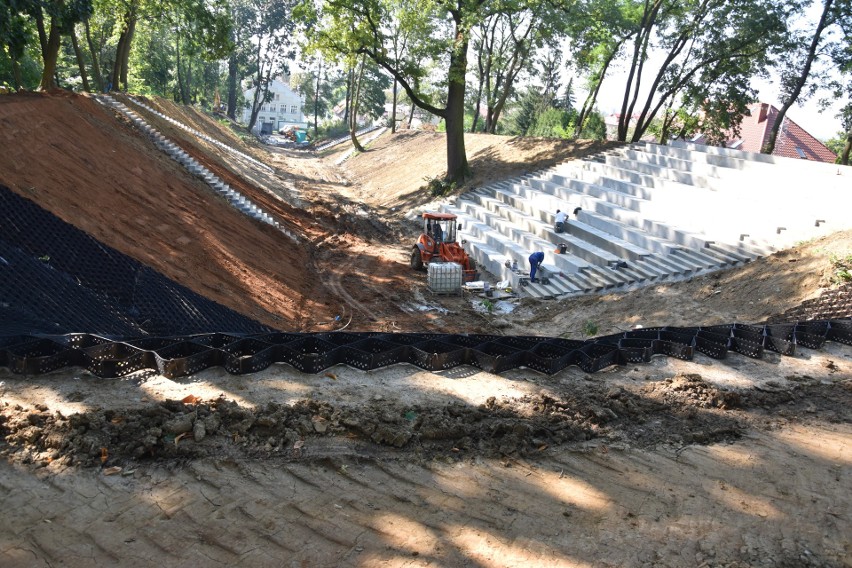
<point>591,99</point>
<point>16,74</point>
<point>668,119</point>
<point>125,54</point>
<point>411,116</point>
<point>122,51</point>
<point>457,166</point>
<point>182,87</point>
<point>844,156</point>
<point>640,48</point>
<point>112,79</point>
<point>38,15</point>
<point>494,114</point>
<point>256,96</point>
<point>476,109</point>
<point>190,98</point>
<point>316,101</point>
<point>393,107</point>
<point>800,80</point>
<point>232,86</point>
<point>349,80</point>
<point>51,54</point>
<point>81,64</point>
<point>353,113</point>
<point>96,68</point>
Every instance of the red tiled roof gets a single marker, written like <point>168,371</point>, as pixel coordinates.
<point>793,141</point>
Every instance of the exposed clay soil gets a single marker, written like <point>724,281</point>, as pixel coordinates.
<point>738,462</point>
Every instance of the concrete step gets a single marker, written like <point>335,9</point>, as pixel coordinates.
<point>504,228</point>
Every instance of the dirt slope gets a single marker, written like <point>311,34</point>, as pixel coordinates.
<point>75,159</point>
<point>393,170</point>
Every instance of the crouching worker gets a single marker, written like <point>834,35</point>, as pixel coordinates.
<point>536,259</point>
<point>560,221</point>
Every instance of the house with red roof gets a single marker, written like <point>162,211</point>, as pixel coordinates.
<point>793,141</point>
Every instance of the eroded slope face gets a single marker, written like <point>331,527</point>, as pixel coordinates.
<point>77,160</point>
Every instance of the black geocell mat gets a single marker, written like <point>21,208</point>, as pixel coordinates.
<point>56,281</point>
<point>178,356</point>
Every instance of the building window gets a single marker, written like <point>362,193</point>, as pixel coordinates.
<point>801,153</point>
<point>271,108</point>
<point>276,96</point>
<point>294,109</point>
<point>263,108</point>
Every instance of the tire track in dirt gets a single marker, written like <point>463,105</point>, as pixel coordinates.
<point>378,314</point>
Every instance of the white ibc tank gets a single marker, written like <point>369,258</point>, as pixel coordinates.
<point>445,277</point>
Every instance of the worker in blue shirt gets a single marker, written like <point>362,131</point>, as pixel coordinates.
<point>536,259</point>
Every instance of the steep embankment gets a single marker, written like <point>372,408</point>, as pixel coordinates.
<point>74,158</point>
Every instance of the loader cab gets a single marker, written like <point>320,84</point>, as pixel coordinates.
<point>442,230</point>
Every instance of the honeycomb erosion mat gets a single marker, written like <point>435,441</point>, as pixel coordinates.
<point>313,352</point>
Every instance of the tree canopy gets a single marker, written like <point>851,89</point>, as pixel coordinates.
<point>527,67</point>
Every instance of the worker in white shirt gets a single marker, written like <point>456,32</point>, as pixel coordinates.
<point>560,221</point>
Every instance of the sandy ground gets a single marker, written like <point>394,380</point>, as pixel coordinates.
<point>738,462</point>
<point>653,470</point>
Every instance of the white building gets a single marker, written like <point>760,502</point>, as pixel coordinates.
<point>283,110</point>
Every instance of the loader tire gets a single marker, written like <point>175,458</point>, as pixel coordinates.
<point>416,260</point>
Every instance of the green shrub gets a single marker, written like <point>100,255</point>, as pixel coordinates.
<point>841,268</point>
<point>590,328</point>
<point>438,187</point>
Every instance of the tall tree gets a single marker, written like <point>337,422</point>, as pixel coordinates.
<point>93,53</point>
<point>319,86</point>
<point>597,31</point>
<point>804,50</point>
<point>63,14</point>
<point>704,44</point>
<point>270,30</point>
<point>81,61</point>
<point>503,43</point>
<point>846,116</point>
<point>841,89</point>
<point>128,15</point>
<point>202,35</point>
<point>242,18</point>
<point>14,34</point>
<point>355,27</point>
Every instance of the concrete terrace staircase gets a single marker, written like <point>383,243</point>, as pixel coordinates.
<point>650,213</point>
<point>376,132</point>
<point>342,139</point>
<point>236,199</point>
<point>201,135</point>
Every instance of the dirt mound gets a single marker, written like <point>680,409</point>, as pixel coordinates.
<point>684,409</point>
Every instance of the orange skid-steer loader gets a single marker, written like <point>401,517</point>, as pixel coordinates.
<point>437,243</point>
